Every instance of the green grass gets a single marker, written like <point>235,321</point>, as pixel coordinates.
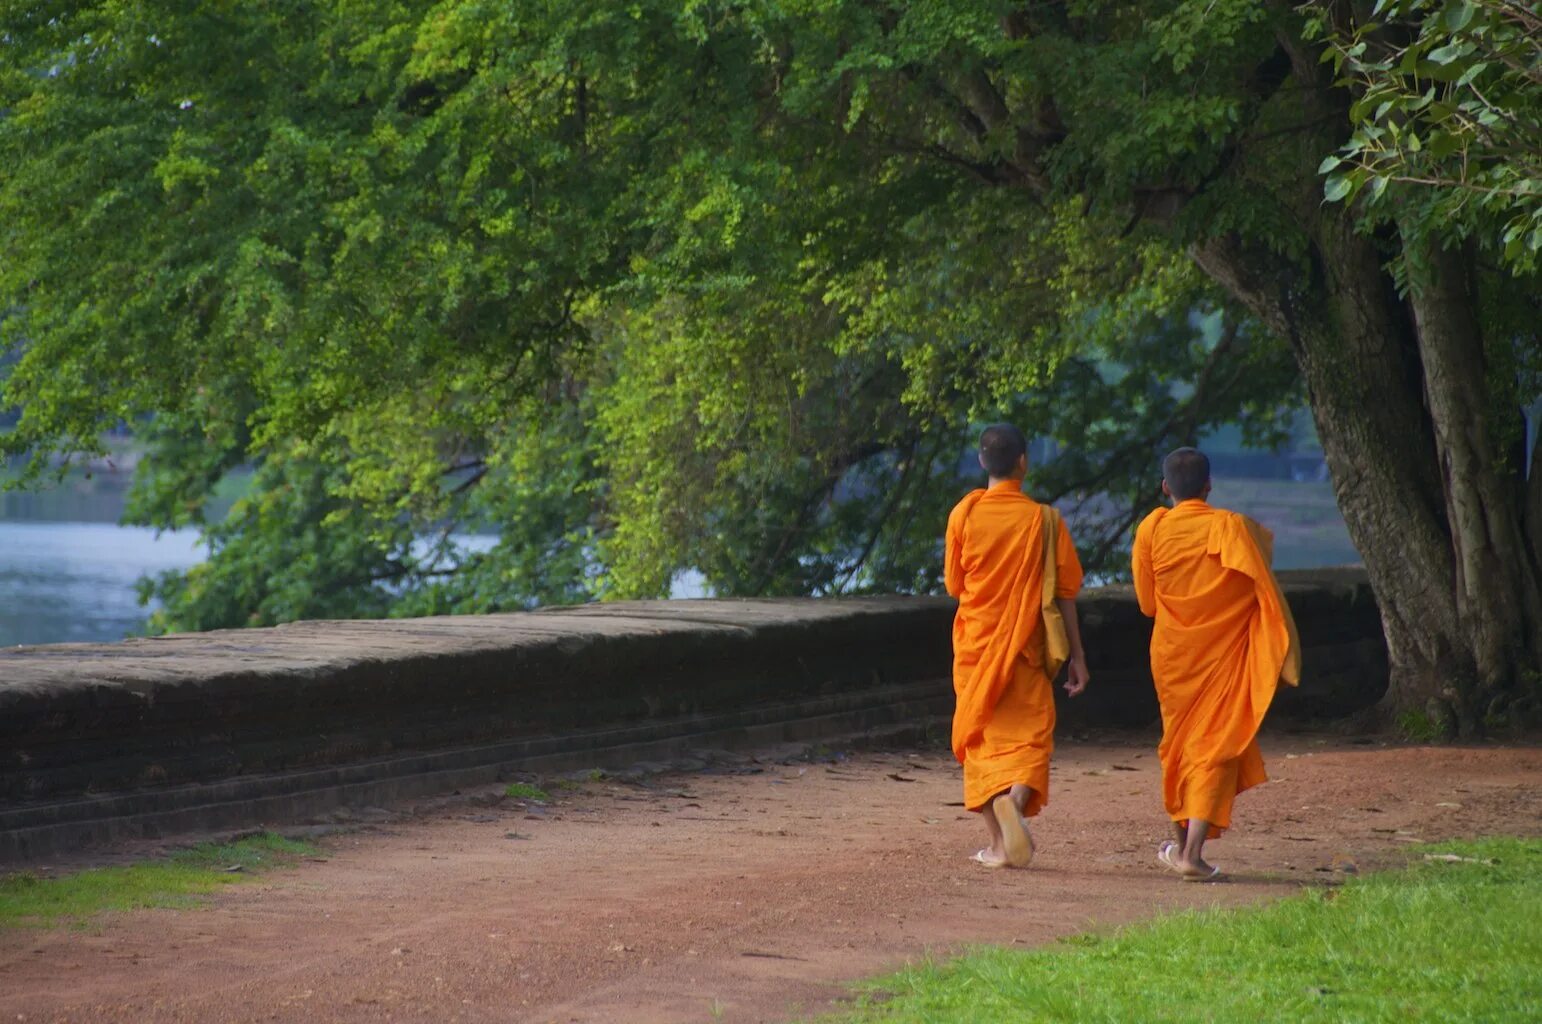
<point>28,899</point>
<point>1445,942</point>
<point>525,791</point>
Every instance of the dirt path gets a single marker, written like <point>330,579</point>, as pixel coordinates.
<point>745,895</point>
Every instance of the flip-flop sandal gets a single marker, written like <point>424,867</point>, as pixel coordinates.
<point>1015,838</point>
<point>982,858</point>
<point>1165,855</point>
<point>1214,875</point>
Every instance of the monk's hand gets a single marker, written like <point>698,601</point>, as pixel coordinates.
<point>1076,677</point>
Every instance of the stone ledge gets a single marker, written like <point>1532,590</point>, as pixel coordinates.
<point>233,727</point>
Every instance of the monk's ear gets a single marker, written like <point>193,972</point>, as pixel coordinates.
<point>1167,492</point>
<point>1022,464</point>
<point>982,462</point>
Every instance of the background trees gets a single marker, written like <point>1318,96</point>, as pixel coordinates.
<point>719,288</point>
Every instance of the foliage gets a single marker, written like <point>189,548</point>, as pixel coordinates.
<point>344,243</point>
<point>805,431</point>
<point>1442,940</point>
<point>1447,118</point>
<point>642,290</point>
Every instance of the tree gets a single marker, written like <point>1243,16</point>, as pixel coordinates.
<point>1446,153</point>
<point>1448,110</point>
<point>639,360</point>
<point>1206,123</point>
<point>760,253</point>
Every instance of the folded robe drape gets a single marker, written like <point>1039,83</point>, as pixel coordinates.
<point>1004,722</point>
<point>1222,642</point>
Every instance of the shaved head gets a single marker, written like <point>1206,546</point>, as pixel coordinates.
<point>1186,471</point>
<point>1000,447</point>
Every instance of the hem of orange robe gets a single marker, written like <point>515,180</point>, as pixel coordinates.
<point>1217,830</point>
<point>1217,814</point>
<point>1031,811</point>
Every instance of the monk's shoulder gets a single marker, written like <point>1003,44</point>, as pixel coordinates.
<point>1049,512</point>
<point>1237,520</point>
<point>1261,534</point>
<point>965,504</point>
<point>1235,528</point>
<point>1218,513</point>
<point>1150,522</point>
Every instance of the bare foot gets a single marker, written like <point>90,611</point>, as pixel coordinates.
<point>990,858</point>
<point>1017,843</point>
<point>1197,870</point>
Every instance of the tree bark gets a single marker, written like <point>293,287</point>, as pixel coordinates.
<point>1354,344</point>
<point>1497,598</point>
<point>1400,395</point>
<point>1534,500</point>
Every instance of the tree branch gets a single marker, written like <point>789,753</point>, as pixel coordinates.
<point>883,517</point>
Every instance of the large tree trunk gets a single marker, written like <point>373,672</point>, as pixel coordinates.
<point>1399,388</point>
<point>1400,394</point>
<point>1354,344</point>
<point>1496,587</point>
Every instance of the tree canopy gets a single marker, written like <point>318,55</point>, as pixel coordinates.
<point>721,287</point>
<point>1448,106</point>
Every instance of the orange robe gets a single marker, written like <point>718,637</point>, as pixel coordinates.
<point>1004,723</point>
<point>1223,640</point>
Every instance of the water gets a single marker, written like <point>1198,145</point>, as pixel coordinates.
<point>68,572</point>
<point>63,582</point>
<point>72,581</point>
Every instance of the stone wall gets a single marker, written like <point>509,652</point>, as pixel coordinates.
<point>243,726</point>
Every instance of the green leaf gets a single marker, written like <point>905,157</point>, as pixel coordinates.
<point>1337,187</point>
<point>1328,164</point>
<point>1459,14</point>
<point>1446,54</point>
<point>1440,111</point>
<point>1472,72</point>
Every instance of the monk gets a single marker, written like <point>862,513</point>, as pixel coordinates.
<point>1222,642</point>
<point>1012,566</point>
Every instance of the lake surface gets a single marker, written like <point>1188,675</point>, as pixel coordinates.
<point>63,581</point>
<point>68,572</point>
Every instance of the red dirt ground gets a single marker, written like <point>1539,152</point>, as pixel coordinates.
<point>753,895</point>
